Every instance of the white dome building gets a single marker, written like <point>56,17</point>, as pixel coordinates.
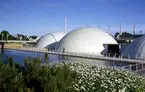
<point>85,40</point>
<point>136,49</point>
<point>49,39</point>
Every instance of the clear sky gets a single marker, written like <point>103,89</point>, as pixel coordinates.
<point>38,17</point>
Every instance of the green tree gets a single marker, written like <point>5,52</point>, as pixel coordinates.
<point>6,35</point>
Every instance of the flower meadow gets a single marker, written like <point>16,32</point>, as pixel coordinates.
<point>106,79</point>
<point>66,77</point>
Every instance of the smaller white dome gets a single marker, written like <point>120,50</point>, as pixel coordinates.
<point>49,39</point>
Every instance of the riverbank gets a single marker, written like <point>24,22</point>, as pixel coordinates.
<point>13,45</point>
<point>33,49</point>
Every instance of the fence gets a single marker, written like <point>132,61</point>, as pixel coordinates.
<point>135,67</point>
<point>139,64</point>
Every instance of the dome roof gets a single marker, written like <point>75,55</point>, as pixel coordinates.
<point>85,40</point>
<point>49,38</point>
<point>136,49</point>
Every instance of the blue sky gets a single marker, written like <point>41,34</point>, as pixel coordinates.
<point>38,17</point>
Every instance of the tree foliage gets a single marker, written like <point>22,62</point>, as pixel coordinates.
<point>34,77</point>
<point>5,34</point>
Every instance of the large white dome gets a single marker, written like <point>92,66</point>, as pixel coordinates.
<point>85,40</point>
<point>49,39</point>
<point>136,49</point>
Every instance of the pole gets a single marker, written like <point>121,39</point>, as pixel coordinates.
<point>120,29</point>
<point>134,29</point>
<point>2,47</point>
<point>65,25</point>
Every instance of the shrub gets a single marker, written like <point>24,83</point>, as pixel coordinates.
<point>66,77</point>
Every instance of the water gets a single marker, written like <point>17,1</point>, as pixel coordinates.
<point>19,56</point>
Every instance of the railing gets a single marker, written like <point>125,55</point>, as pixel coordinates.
<point>112,55</point>
<point>137,66</point>
<point>83,55</point>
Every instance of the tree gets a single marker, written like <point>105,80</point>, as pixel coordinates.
<point>6,35</point>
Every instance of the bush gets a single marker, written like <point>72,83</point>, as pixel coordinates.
<point>66,77</point>
<point>34,77</point>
